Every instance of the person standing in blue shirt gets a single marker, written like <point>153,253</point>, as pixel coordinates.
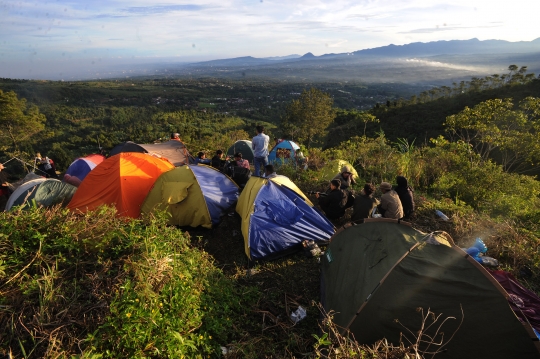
<point>259,144</point>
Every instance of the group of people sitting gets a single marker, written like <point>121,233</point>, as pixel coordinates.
<point>395,203</point>
<point>237,168</point>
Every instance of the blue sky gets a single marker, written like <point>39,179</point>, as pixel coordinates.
<point>40,36</point>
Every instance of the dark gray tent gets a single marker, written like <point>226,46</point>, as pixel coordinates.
<point>382,270</point>
<point>244,147</point>
<point>127,146</point>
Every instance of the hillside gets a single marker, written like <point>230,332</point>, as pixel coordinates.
<point>422,121</point>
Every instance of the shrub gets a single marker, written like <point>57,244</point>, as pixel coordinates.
<point>103,286</point>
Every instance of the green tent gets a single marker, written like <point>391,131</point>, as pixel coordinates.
<point>244,147</point>
<point>332,168</point>
<point>44,193</point>
<point>383,270</point>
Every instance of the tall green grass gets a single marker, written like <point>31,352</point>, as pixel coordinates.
<point>100,286</point>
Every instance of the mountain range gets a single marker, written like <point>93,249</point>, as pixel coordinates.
<point>415,49</point>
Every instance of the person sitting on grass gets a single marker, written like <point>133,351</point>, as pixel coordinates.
<point>390,206</point>
<point>345,177</point>
<point>334,201</point>
<point>364,204</point>
<point>218,161</point>
<point>405,193</point>
<point>201,158</point>
<point>240,162</point>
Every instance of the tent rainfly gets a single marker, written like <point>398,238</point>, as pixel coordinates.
<point>122,181</point>
<point>194,195</point>
<point>244,147</point>
<point>277,217</point>
<point>79,168</point>
<point>375,275</point>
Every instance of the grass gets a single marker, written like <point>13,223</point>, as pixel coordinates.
<point>96,286</point>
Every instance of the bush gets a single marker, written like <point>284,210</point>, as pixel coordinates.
<point>103,286</point>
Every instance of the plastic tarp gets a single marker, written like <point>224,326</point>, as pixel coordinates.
<point>219,191</point>
<point>193,195</point>
<point>122,181</point>
<point>524,302</point>
<point>22,192</point>
<point>280,220</point>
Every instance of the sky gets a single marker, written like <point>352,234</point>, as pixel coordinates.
<point>51,38</point>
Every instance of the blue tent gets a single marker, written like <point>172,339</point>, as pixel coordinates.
<point>277,217</point>
<point>283,152</point>
<point>194,195</point>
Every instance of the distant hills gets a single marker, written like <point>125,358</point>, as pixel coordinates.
<point>432,63</point>
<point>415,49</point>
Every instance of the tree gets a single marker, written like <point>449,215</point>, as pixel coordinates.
<point>309,116</point>
<point>18,121</point>
<point>496,130</point>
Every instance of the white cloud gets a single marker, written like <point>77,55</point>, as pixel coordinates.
<point>31,30</point>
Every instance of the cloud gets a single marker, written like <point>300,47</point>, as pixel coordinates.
<point>145,10</point>
<point>446,28</point>
<point>337,44</point>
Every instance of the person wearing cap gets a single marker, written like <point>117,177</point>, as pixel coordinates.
<point>364,204</point>
<point>390,206</point>
<point>240,162</point>
<point>201,158</point>
<point>345,177</point>
<point>334,202</point>
<point>175,136</point>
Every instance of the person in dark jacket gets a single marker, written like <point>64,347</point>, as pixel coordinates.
<point>405,193</point>
<point>218,161</point>
<point>334,201</point>
<point>364,203</point>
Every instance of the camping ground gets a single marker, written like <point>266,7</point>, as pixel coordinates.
<point>92,284</point>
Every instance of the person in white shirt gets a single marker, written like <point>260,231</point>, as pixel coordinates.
<point>259,144</point>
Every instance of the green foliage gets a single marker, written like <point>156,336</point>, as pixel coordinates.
<point>349,122</point>
<point>19,122</point>
<point>140,289</point>
<point>495,125</point>
<point>308,117</point>
<point>374,158</point>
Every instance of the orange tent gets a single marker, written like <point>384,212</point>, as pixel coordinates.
<point>122,180</point>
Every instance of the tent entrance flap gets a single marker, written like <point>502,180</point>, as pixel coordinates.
<point>175,192</point>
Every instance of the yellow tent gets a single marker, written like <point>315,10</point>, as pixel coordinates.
<point>277,217</point>
<point>194,195</point>
<point>332,168</point>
